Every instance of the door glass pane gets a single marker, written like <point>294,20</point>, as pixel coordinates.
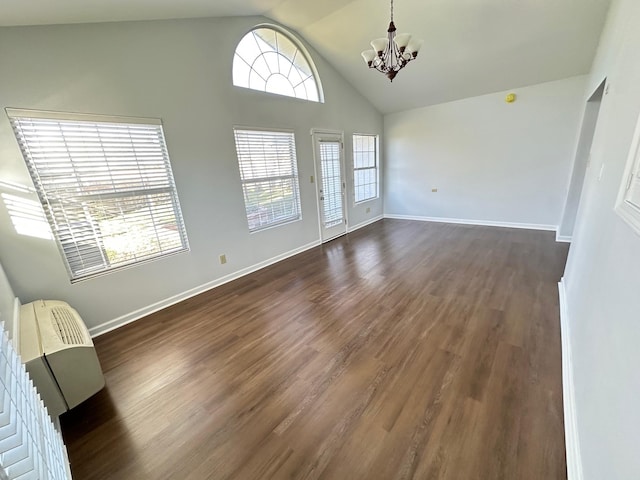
<point>331,183</point>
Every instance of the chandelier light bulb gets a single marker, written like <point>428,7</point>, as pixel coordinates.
<point>368,56</point>
<point>414,46</point>
<point>380,45</point>
<point>402,40</point>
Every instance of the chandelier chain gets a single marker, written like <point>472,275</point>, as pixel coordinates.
<point>392,10</point>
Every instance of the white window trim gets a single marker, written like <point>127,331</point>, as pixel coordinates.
<point>47,200</point>
<point>377,167</point>
<point>296,176</point>
<point>628,212</point>
<point>79,117</point>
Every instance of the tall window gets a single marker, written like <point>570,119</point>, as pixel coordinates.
<point>106,187</point>
<point>365,167</point>
<point>269,61</point>
<point>269,175</point>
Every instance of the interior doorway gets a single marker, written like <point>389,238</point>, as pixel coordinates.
<point>581,163</point>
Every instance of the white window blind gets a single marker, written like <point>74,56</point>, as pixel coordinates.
<point>365,167</point>
<point>269,175</point>
<point>331,183</point>
<point>106,186</point>
<point>30,446</point>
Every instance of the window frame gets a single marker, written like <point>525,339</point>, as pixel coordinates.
<point>301,49</point>
<point>295,177</point>
<point>49,196</point>
<point>629,212</point>
<point>376,167</point>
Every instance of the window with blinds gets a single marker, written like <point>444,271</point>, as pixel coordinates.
<point>106,187</point>
<point>269,176</point>
<point>365,167</point>
<point>628,204</point>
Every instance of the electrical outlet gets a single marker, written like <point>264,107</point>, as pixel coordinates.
<point>223,259</point>
<point>368,210</point>
<point>311,179</point>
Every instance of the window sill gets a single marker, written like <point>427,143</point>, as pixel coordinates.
<point>275,225</point>
<point>360,202</point>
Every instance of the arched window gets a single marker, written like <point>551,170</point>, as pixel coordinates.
<point>268,60</point>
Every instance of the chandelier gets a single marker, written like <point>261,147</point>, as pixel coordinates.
<point>391,53</point>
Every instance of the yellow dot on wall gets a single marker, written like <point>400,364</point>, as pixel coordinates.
<point>510,98</point>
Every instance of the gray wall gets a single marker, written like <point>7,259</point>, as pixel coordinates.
<point>179,71</point>
<point>602,274</point>
<point>489,160</point>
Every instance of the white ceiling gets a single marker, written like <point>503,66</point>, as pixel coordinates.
<point>472,47</point>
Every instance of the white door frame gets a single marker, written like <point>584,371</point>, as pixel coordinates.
<point>316,134</point>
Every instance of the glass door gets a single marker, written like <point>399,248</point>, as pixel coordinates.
<point>329,158</point>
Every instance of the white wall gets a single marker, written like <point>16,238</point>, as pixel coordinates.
<point>602,275</point>
<point>179,71</point>
<point>489,160</point>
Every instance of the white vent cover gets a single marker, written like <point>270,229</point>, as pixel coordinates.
<point>30,446</point>
<point>66,326</point>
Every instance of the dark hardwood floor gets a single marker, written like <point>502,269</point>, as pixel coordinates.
<point>405,350</point>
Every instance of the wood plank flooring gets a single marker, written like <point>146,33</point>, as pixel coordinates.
<point>405,350</point>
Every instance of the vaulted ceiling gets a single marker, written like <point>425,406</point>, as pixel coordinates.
<point>472,47</point>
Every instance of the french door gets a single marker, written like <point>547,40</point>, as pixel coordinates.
<point>329,163</point>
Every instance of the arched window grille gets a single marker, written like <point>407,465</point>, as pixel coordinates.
<point>268,60</point>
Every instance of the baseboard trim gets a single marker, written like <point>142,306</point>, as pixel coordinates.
<point>144,311</point>
<point>563,238</point>
<point>572,440</point>
<point>364,224</point>
<point>485,223</point>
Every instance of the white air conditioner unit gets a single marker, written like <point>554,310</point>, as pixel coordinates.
<point>59,355</point>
